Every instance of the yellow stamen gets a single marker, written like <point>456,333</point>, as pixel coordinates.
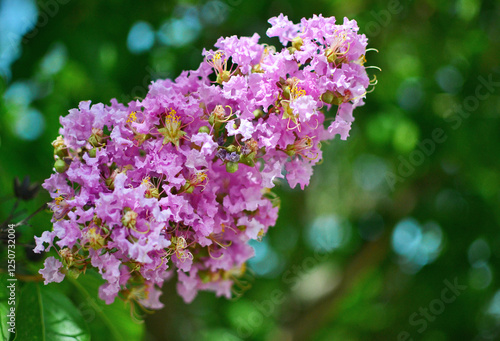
<point>217,56</point>
<point>172,130</point>
<point>297,92</point>
<point>260,235</point>
<point>132,117</point>
<point>146,181</point>
<point>172,115</point>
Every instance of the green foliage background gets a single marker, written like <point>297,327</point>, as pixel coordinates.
<point>397,226</point>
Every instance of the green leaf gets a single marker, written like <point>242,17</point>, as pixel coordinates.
<point>111,322</point>
<point>4,310</point>
<point>45,314</point>
<point>4,332</point>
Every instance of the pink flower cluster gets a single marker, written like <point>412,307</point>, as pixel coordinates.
<point>179,182</point>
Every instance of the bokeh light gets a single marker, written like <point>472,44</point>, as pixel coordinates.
<point>327,233</point>
<point>141,37</point>
<point>181,31</point>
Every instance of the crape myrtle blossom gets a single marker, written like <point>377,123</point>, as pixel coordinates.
<point>176,184</point>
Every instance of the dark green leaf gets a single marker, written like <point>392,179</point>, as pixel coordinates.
<point>4,310</point>
<point>106,322</point>
<point>45,314</point>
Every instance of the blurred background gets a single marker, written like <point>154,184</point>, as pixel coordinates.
<point>396,238</point>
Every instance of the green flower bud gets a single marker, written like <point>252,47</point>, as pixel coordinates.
<point>331,97</point>
<point>338,100</point>
<point>327,97</point>
<point>231,148</point>
<point>61,152</point>
<point>257,113</point>
<point>204,129</point>
<point>231,167</point>
<point>93,152</point>
<point>60,166</point>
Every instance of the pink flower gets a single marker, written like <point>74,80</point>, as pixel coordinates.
<point>245,129</point>
<point>180,182</point>
<point>51,272</point>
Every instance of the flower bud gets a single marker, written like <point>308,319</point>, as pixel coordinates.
<point>331,97</point>
<point>60,166</point>
<point>328,97</point>
<point>93,152</point>
<point>204,129</point>
<point>231,167</point>
<point>258,113</point>
<point>231,148</point>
